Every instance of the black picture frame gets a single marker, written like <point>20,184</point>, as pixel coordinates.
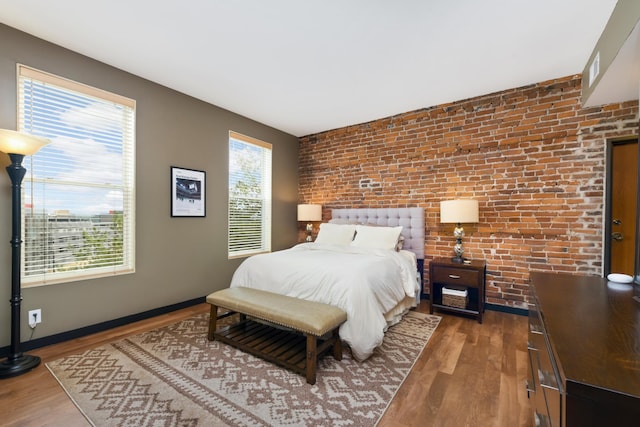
<point>188,192</point>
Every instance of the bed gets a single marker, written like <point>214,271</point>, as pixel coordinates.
<point>376,286</point>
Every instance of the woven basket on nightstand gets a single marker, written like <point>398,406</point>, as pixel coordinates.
<point>454,301</point>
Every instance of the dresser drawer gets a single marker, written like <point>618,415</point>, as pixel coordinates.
<point>547,373</point>
<point>456,276</point>
<point>536,393</point>
<point>535,323</point>
<point>547,385</point>
<point>553,398</point>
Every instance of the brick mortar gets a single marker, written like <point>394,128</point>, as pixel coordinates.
<point>532,157</point>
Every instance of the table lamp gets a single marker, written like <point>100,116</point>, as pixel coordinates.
<point>458,211</point>
<point>309,213</point>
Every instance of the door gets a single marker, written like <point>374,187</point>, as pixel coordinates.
<point>621,231</point>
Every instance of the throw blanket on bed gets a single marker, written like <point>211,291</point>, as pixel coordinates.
<point>366,283</point>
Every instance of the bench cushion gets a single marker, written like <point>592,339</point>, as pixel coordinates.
<point>309,317</point>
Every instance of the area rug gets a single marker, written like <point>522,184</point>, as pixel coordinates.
<point>174,376</point>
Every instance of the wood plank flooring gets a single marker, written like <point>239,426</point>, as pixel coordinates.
<point>469,374</point>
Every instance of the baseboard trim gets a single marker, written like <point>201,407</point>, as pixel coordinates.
<point>100,327</point>
<point>110,324</point>
<point>496,307</point>
<point>506,309</point>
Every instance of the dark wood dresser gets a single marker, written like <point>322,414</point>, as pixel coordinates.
<point>584,351</point>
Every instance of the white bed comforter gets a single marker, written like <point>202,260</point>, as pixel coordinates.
<point>366,283</point>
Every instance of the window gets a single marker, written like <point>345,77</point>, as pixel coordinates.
<point>79,198</point>
<point>249,196</point>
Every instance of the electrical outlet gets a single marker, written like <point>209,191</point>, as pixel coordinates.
<point>35,317</point>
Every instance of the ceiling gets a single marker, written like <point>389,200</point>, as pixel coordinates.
<point>308,66</point>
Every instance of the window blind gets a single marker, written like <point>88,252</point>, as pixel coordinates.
<point>249,196</point>
<point>79,191</point>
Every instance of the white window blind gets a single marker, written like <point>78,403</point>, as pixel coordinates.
<point>249,196</point>
<point>79,191</point>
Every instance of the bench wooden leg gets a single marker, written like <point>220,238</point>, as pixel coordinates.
<point>213,318</point>
<point>337,345</point>
<point>312,358</point>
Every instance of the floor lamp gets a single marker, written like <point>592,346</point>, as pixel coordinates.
<point>17,145</point>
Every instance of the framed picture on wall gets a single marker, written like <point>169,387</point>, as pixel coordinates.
<point>187,192</point>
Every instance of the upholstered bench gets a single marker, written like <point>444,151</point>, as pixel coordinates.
<point>317,322</point>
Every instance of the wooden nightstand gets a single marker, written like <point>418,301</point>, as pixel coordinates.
<point>469,276</point>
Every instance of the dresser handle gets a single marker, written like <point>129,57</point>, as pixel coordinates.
<point>535,329</point>
<point>529,387</point>
<point>454,276</point>
<point>548,380</point>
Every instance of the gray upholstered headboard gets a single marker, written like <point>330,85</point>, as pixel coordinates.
<point>411,220</point>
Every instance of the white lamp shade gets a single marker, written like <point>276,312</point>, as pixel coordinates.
<point>459,211</point>
<point>12,142</point>
<point>309,212</point>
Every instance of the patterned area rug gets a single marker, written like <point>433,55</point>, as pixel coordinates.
<point>173,376</point>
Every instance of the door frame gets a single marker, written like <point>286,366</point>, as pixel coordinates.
<point>631,139</point>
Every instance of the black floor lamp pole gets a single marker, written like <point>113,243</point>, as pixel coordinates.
<point>17,145</point>
<point>16,363</point>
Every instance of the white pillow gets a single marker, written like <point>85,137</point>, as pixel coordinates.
<point>377,237</point>
<point>336,234</point>
<point>341,221</point>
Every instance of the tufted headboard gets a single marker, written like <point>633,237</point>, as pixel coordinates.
<point>411,220</point>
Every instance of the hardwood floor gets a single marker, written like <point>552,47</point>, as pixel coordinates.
<point>468,375</point>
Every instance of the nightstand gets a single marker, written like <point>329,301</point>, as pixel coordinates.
<point>469,276</point>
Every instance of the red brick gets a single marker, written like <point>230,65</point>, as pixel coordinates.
<point>532,156</point>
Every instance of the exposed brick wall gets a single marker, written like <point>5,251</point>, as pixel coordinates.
<point>531,156</point>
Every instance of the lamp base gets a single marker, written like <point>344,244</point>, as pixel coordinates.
<point>309,231</point>
<point>457,259</point>
<point>18,366</point>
